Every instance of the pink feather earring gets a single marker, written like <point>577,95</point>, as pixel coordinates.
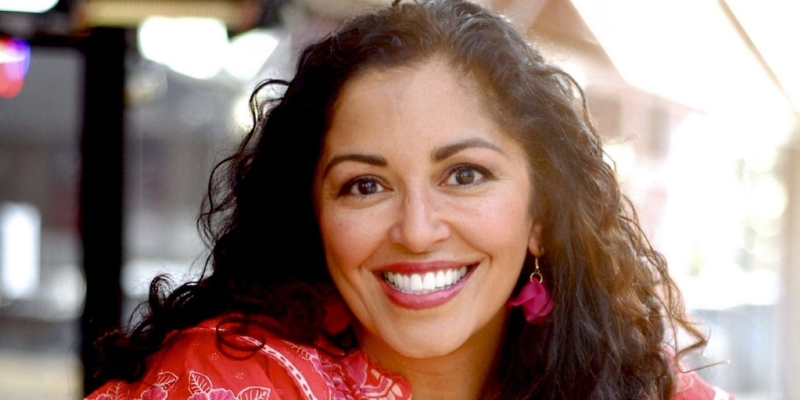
<point>534,298</point>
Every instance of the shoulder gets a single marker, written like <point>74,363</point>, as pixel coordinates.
<point>229,358</point>
<point>690,386</point>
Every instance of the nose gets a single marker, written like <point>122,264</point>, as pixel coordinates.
<point>420,225</point>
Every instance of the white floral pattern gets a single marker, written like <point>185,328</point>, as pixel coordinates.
<point>200,387</point>
<point>194,365</point>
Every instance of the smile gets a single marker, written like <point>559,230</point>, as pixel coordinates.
<point>424,283</point>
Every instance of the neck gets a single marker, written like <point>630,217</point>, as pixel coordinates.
<point>460,374</point>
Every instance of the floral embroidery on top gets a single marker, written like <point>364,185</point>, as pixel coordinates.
<point>192,366</point>
<point>201,388</point>
<point>115,391</point>
<point>300,350</point>
<point>372,382</point>
<point>157,391</point>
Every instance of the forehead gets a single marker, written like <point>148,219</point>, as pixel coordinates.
<point>428,102</point>
<point>418,84</point>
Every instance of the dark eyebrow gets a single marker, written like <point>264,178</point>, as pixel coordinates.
<point>451,149</point>
<point>363,158</point>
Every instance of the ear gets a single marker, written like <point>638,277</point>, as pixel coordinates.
<point>535,240</point>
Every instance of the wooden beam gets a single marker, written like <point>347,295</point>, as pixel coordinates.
<point>128,13</point>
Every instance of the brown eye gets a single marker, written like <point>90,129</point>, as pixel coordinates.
<point>466,175</point>
<point>365,186</point>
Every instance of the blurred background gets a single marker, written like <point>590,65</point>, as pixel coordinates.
<point>113,112</point>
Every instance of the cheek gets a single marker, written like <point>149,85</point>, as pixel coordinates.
<point>348,238</point>
<point>505,234</point>
<point>500,221</point>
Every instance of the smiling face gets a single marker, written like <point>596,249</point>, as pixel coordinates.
<point>424,209</point>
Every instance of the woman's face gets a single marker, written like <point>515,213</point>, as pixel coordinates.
<point>424,209</point>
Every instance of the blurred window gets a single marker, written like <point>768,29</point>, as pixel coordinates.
<point>41,283</point>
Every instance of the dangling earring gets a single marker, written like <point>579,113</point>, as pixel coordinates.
<point>534,298</point>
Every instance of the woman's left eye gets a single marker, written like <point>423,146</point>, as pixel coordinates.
<point>465,175</point>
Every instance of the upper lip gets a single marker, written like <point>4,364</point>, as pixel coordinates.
<point>417,267</point>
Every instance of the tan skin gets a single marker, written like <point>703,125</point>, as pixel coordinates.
<point>415,179</point>
<point>460,374</point>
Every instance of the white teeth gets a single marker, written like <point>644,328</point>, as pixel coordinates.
<point>416,282</point>
<point>439,279</point>
<point>429,281</point>
<point>425,283</point>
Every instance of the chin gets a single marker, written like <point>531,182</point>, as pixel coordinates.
<point>430,340</point>
<point>427,347</point>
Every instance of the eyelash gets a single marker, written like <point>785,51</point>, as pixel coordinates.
<point>347,189</point>
<point>482,175</point>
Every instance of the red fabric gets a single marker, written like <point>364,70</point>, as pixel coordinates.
<point>195,364</point>
<point>692,387</point>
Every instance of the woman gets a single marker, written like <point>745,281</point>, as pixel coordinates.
<point>446,183</point>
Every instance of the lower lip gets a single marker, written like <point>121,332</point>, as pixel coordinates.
<point>423,301</point>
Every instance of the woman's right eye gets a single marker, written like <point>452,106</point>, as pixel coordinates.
<point>361,187</point>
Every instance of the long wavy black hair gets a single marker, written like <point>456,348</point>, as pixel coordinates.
<point>611,332</point>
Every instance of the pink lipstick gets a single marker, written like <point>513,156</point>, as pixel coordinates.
<point>423,285</point>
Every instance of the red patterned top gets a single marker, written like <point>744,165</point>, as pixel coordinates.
<point>210,362</point>
<point>195,364</point>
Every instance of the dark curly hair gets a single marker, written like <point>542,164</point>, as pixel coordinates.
<point>611,334</point>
